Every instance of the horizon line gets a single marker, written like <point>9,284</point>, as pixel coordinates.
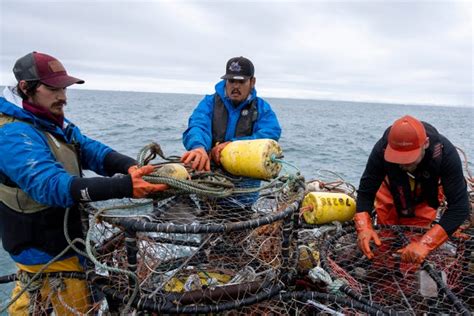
<point>293,98</point>
<point>283,98</point>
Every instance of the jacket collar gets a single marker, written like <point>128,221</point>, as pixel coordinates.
<point>10,107</point>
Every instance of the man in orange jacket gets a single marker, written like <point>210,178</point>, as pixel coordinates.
<point>405,172</point>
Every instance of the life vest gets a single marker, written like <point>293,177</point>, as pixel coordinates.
<point>17,199</point>
<point>427,178</point>
<point>248,116</point>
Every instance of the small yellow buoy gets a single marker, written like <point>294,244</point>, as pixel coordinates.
<point>308,257</point>
<point>252,158</point>
<point>325,207</point>
<point>178,284</point>
<point>172,170</point>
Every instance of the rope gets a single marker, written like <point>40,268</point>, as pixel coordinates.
<point>284,163</point>
<point>339,285</point>
<point>112,269</point>
<point>37,275</point>
<point>317,274</point>
<point>190,187</point>
<point>215,186</point>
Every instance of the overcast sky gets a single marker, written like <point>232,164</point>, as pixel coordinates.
<point>417,52</point>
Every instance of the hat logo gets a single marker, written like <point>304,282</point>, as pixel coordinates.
<point>403,144</point>
<point>234,66</point>
<point>55,66</point>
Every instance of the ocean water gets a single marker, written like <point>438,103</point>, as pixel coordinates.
<point>317,135</point>
<point>330,135</point>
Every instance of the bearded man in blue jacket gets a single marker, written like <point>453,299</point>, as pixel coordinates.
<point>41,162</point>
<point>233,112</point>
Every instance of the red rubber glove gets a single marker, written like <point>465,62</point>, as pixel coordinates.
<point>416,251</point>
<point>198,158</point>
<point>142,188</point>
<point>216,152</point>
<point>365,233</point>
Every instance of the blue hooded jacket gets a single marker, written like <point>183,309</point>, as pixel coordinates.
<point>27,160</point>
<point>199,132</point>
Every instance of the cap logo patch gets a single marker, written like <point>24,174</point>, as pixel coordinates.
<point>56,66</point>
<point>403,144</point>
<point>234,66</point>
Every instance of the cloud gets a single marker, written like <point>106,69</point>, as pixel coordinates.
<point>388,51</point>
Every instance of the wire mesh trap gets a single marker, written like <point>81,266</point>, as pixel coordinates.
<point>189,254</point>
<point>221,245</point>
<point>443,284</point>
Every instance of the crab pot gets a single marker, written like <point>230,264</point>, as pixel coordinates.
<point>199,256</point>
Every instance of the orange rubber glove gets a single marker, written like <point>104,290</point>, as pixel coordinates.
<point>142,188</point>
<point>198,158</point>
<point>216,152</point>
<point>132,168</point>
<point>416,251</point>
<point>365,233</point>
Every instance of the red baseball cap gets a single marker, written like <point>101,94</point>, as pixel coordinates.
<point>45,68</point>
<point>405,141</point>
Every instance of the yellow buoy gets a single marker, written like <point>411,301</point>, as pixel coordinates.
<point>252,158</point>
<point>325,207</point>
<point>172,170</point>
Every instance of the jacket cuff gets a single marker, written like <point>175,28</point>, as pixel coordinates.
<point>115,162</point>
<point>100,189</point>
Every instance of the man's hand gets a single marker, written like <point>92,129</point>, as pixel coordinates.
<point>198,159</point>
<point>216,152</point>
<point>142,188</point>
<point>417,251</point>
<point>365,233</point>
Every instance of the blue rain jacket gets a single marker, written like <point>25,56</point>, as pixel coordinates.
<point>199,132</point>
<point>28,161</point>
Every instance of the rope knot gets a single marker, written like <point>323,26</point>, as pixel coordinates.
<point>25,278</point>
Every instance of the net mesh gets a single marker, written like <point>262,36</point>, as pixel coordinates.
<point>402,287</point>
<point>190,253</point>
<point>223,245</point>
